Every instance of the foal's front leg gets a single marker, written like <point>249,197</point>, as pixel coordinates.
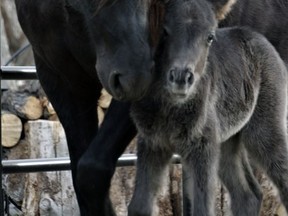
<point>151,165</point>
<point>200,166</point>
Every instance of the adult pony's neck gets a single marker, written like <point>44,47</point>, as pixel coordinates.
<point>156,17</point>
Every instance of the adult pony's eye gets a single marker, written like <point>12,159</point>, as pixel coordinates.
<point>210,38</point>
<point>166,31</point>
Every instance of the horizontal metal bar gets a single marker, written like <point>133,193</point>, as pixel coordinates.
<point>19,69</point>
<point>18,73</point>
<point>59,164</point>
<point>35,165</point>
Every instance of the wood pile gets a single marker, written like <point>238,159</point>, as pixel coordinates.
<point>20,106</point>
<point>30,129</point>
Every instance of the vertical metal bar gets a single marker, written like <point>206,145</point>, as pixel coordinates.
<point>1,168</point>
<point>185,199</point>
<point>7,203</point>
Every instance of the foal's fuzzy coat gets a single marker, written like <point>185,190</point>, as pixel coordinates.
<point>209,101</point>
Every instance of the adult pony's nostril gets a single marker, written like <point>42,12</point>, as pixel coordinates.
<point>114,80</point>
<point>115,84</point>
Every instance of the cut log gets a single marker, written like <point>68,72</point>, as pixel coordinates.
<point>11,129</point>
<point>22,104</point>
<point>32,87</point>
<point>48,207</point>
<point>48,110</point>
<point>48,193</point>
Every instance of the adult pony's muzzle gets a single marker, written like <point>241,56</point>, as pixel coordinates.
<point>130,86</point>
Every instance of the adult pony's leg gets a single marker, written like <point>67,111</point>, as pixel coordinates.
<point>76,109</point>
<point>97,165</point>
<point>236,174</point>
<point>151,165</point>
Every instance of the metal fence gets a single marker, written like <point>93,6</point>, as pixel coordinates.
<point>47,164</point>
<point>13,73</point>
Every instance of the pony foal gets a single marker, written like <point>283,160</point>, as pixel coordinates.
<point>217,94</point>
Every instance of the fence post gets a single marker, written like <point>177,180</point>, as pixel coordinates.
<point>1,167</point>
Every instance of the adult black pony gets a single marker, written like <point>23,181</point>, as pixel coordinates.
<point>266,17</point>
<point>66,37</point>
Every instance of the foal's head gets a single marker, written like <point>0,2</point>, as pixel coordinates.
<point>123,47</point>
<point>189,30</point>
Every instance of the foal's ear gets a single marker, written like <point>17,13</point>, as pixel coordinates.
<point>222,7</point>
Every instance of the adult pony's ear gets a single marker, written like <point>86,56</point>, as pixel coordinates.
<point>164,1</point>
<point>222,7</point>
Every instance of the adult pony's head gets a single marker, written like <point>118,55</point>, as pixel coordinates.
<point>189,30</point>
<point>124,47</point>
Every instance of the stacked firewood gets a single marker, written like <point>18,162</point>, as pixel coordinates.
<point>30,129</point>
<point>19,106</point>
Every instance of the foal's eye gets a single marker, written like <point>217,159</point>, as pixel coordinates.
<point>210,38</point>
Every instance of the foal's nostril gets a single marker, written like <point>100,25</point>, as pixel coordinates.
<point>189,77</point>
<point>181,77</point>
<point>172,75</point>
